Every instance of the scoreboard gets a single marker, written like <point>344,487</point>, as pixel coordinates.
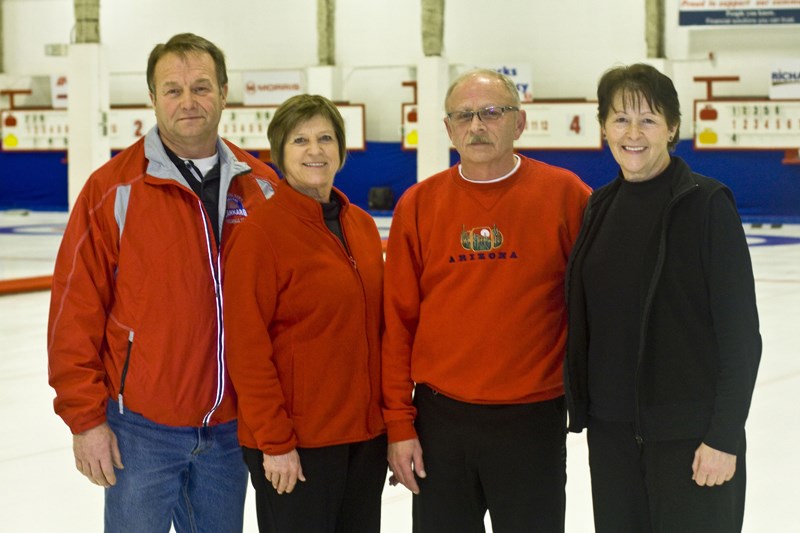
<point>757,124</point>
<point>549,125</point>
<point>48,129</point>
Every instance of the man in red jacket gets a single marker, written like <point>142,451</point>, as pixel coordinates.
<point>476,324</point>
<point>135,341</point>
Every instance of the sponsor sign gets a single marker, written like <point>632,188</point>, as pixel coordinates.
<point>728,13</point>
<point>271,87</point>
<point>785,79</point>
<point>521,76</point>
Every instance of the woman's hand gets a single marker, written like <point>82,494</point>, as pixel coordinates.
<point>283,471</point>
<point>712,467</point>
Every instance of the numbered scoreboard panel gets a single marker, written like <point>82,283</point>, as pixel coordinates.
<point>549,125</point>
<point>561,125</point>
<point>34,130</point>
<point>746,124</point>
<point>48,129</point>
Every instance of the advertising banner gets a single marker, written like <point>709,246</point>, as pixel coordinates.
<point>785,79</point>
<point>271,87</point>
<point>722,13</point>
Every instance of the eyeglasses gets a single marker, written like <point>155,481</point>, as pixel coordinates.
<point>487,114</point>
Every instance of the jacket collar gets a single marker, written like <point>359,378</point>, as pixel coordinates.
<point>304,206</point>
<point>160,166</point>
<point>682,181</point>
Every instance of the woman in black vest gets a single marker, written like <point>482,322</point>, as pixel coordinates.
<point>663,344</point>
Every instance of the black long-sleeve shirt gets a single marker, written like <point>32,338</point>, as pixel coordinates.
<point>615,293</point>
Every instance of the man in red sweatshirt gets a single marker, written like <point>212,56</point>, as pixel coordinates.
<point>476,324</point>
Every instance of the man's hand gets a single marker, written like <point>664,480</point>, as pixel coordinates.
<point>405,458</point>
<point>712,467</point>
<point>97,454</point>
<point>283,471</point>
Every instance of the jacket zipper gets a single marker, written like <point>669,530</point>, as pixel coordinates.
<point>662,250</point>
<point>214,268</point>
<point>214,264</point>
<point>125,374</point>
<point>352,260</point>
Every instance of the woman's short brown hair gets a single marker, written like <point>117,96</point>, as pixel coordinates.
<point>634,83</point>
<point>295,111</point>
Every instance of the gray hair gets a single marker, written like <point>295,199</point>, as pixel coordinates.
<point>510,86</point>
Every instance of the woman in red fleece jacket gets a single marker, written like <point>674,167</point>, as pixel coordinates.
<point>304,317</point>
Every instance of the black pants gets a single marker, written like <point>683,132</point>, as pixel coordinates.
<point>507,459</point>
<point>648,488</point>
<point>341,494</point>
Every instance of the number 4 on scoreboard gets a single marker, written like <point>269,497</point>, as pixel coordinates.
<point>575,125</point>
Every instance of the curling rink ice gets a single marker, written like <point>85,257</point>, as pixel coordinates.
<point>41,491</point>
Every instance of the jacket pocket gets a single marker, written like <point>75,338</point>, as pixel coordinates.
<point>124,375</point>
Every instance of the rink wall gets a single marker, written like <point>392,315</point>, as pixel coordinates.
<point>766,189</point>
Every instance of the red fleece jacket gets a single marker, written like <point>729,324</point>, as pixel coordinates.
<point>303,323</point>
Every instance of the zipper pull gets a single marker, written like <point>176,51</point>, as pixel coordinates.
<point>353,262</point>
<point>121,404</point>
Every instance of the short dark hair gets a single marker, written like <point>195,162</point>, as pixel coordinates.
<point>299,109</point>
<point>181,45</point>
<point>634,83</point>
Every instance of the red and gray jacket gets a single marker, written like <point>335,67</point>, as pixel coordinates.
<point>136,306</point>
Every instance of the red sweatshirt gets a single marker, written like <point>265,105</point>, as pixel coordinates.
<point>303,323</point>
<point>474,289</point>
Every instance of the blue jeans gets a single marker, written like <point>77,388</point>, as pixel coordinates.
<point>193,477</point>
